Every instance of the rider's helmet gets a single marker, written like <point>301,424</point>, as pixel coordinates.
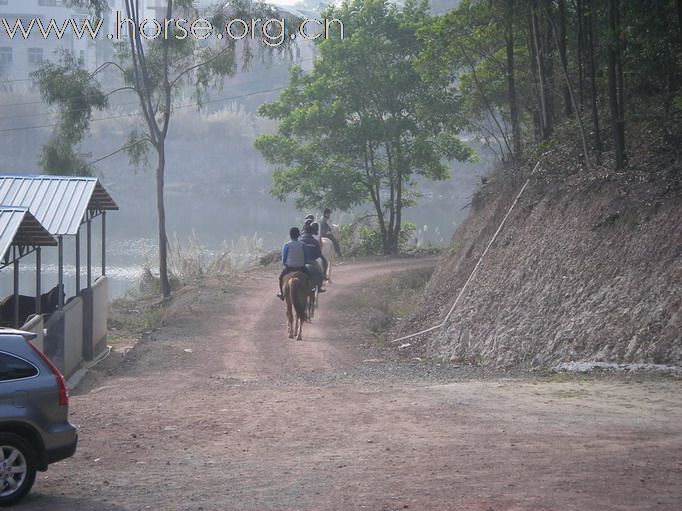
<point>315,227</point>
<point>310,217</point>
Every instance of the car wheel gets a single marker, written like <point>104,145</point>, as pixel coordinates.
<point>17,468</point>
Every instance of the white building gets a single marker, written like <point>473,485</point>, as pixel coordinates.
<point>20,55</point>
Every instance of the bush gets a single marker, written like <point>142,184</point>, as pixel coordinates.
<point>362,237</point>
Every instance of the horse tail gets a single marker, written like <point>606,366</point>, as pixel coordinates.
<point>299,294</point>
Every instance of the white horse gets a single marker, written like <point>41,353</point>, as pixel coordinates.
<point>330,255</point>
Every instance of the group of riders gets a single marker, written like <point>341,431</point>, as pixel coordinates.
<point>303,252</point>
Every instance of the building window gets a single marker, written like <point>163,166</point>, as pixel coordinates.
<point>5,54</point>
<point>35,55</point>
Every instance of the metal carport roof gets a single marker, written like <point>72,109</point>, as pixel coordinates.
<point>59,203</point>
<point>19,227</point>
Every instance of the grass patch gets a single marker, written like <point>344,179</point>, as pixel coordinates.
<point>390,298</point>
<point>131,318</point>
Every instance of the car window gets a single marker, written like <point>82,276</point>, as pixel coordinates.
<point>13,368</point>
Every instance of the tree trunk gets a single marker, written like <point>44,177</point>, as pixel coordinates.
<point>375,193</point>
<point>399,201</point>
<point>562,54</point>
<point>614,93</point>
<point>580,53</point>
<point>547,54</point>
<point>511,86</point>
<point>569,89</point>
<point>593,82</point>
<point>161,213</point>
<point>537,107</point>
<point>679,19</point>
<point>620,86</point>
<point>545,128</point>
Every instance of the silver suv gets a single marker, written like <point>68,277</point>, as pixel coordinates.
<point>34,407</point>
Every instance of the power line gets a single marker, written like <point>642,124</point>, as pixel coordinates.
<point>127,103</point>
<point>39,102</point>
<point>188,105</point>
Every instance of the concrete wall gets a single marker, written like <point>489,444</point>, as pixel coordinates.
<point>36,325</point>
<point>100,313</point>
<point>73,335</point>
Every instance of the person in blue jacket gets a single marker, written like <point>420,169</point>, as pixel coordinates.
<point>295,255</point>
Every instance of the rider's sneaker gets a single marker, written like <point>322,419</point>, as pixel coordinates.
<point>321,290</point>
<point>280,296</point>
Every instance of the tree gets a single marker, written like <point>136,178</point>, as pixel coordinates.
<point>154,69</point>
<point>363,124</point>
<point>70,86</point>
<point>474,47</point>
<point>615,76</point>
<point>511,81</point>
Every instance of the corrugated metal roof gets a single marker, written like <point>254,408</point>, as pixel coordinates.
<point>58,202</point>
<point>18,226</point>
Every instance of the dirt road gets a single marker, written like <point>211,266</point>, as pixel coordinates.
<point>219,410</point>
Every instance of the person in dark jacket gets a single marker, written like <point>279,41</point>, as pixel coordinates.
<point>314,253</point>
<point>295,255</point>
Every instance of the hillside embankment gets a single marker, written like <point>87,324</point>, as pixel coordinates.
<point>588,267</point>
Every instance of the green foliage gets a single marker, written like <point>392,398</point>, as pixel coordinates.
<point>362,237</point>
<point>137,148</point>
<point>66,84</point>
<point>677,101</point>
<point>407,238</point>
<point>59,158</point>
<point>363,123</point>
<point>468,47</point>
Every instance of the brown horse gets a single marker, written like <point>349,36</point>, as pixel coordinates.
<point>296,292</point>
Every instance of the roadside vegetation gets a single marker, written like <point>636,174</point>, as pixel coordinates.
<point>142,310</point>
<point>386,300</point>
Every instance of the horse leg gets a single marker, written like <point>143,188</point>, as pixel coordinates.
<point>290,315</point>
<point>299,324</point>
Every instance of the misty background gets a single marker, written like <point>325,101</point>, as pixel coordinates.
<point>217,184</point>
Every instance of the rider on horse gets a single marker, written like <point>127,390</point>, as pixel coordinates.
<point>314,253</point>
<point>315,227</point>
<point>326,230</point>
<point>295,255</point>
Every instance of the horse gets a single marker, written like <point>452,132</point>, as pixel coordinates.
<point>296,293</point>
<point>27,306</point>
<point>329,254</point>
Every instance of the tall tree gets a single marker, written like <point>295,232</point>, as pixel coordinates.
<point>154,69</point>
<point>511,81</point>
<point>590,13</point>
<point>615,78</point>
<point>362,124</point>
<point>561,7</point>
